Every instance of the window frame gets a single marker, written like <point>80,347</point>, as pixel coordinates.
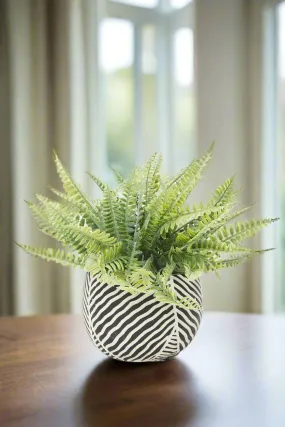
<point>267,289</point>
<point>166,21</point>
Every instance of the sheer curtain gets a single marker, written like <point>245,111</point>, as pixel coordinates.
<point>47,92</point>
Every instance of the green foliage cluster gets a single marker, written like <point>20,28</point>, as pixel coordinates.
<point>140,233</point>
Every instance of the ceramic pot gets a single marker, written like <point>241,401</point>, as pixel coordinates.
<point>138,328</point>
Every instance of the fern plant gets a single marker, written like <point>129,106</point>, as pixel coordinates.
<point>140,233</point>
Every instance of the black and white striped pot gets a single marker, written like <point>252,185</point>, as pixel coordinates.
<point>139,328</point>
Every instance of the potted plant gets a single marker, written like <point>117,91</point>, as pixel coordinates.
<point>144,250</point>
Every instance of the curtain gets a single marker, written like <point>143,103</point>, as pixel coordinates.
<point>5,173</point>
<point>46,88</point>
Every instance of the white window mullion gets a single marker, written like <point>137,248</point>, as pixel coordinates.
<point>139,151</point>
<point>170,81</point>
<point>165,93</point>
<point>94,12</point>
<point>269,160</point>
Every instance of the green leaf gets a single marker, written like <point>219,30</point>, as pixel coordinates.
<point>93,240</point>
<point>243,230</point>
<point>174,196</point>
<point>119,176</point>
<point>101,184</point>
<point>56,255</point>
<point>140,234</point>
<point>71,189</point>
<point>152,177</point>
<point>224,194</point>
<point>110,214</point>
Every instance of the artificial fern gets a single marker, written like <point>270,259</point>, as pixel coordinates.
<point>140,233</point>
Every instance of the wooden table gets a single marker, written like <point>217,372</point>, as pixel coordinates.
<point>232,375</point>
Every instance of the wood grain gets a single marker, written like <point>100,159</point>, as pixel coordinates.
<point>232,375</point>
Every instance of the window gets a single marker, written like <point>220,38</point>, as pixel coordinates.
<point>273,158</point>
<point>184,97</point>
<point>142,3</point>
<point>146,82</point>
<point>119,90</point>
<point>179,3</point>
<point>280,118</point>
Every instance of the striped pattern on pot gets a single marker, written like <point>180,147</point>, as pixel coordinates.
<point>138,328</point>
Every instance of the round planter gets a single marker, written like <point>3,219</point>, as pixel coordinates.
<point>138,328</point>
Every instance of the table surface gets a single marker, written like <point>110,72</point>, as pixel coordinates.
<point>233,374</point>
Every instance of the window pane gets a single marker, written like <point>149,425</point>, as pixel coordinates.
<point>142,3</point>
<point>184,100</point>
<point>281,73</point>
<point>281,124</point>
<point>149,117</point>
<point>179,3</point>
<point>117,66</point>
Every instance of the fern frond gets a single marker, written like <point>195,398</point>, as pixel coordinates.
<point>110,214</point>
<point>191,275</point>
<point>152,177</point>
<point>216,246</point>
<point>56,255</point>
<point>232,262</point>
<point>182,220</point>
<point>180,187</point>
<point>72,190</point>
<point>141,279</point>
<point>165,274</point>
<point>242,230</point>
<point>52,217</point>
<point>224,194</point>
<point>93,217</point>
<point>101,184</point>
<point>93,240</point>
<point>229,217</point>
<point>119,176</point>
<point>140,234</point>
<point>127,211</point>
<point>39,214</point>
<point>110,260</point>
<point>136,237</point>
<point>166,292</point>
<point>205,226</point>
<point>167,296</point>
<point>174,196</point>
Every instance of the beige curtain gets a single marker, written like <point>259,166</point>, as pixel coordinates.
<point>47,90</point>
<point>5,172</point>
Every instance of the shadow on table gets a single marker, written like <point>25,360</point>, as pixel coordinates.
<point>118,394</point>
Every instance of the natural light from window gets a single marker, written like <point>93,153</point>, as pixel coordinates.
<point>184,97</point>
<point>280,95</point>
<point>177,4</point>
<point>119,32</point>
<point>183,52</point>
<point>281,36</point>
<point>146,84</point>
<point>116,49</point>
<point>117,66</point>
<point>142,3</point>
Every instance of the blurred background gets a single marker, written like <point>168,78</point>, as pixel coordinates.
<point>109,82</point>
